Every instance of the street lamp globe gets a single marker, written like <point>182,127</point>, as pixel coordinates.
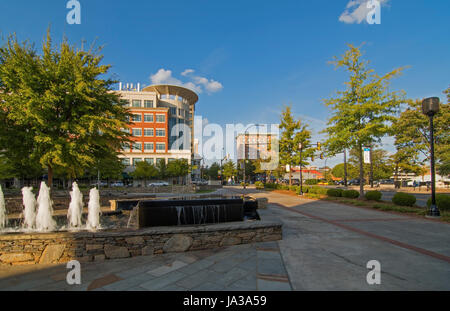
<point>430,106</point>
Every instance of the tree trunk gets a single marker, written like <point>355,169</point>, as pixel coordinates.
<point>361,172</point>
<point>50,176</point>
<point>290,175</point>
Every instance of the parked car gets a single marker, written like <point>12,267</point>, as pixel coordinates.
<point>102,184</point>
<point>158,184</point>
<point>387,181</point>
<point>355,182</point>
<point>117,184</point>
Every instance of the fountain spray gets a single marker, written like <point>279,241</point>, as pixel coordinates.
<point>76,207</point>
<point>93,221</point>
<point>29,212</point>
<point>3,217</point>
<point>44,217</point>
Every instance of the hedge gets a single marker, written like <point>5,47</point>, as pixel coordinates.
<point>335,192</point>
<point>442,202</point>
<point>259,185</point>
<point>311,182</point>
<point>318,190</point>
<point>352,194</point>
<point>404,199</point>
<point>374,195</point>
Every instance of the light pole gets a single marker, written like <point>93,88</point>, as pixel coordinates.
<point>245,148</point>
<point>300,146</point>
<point>430,106</point>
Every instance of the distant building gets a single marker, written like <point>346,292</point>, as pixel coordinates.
<point>156,110</point>
<point>254,146</point>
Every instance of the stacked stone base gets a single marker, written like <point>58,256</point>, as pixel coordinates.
<point>62,247</point>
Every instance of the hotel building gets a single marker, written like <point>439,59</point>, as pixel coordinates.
<point>254,146</point>
<point>156,110</point>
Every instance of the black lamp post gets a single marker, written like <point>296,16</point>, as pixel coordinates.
<point>300,147</point>
<point>430,107</point>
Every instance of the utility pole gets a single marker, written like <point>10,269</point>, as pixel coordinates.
<point>371,166</point>
<point>345,167</point>
<point>301,171</point>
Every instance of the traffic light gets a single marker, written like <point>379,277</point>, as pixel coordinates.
<point>312,158</point>
<point>321,156</point>
<point>319,146</point>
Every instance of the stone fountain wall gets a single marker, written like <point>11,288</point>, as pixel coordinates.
<point>24,249</point>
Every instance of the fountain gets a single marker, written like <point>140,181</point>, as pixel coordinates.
<point>44,217</point>
<point>75,210</point>
<point>3,218</point>
<point>29,212</point>
<point>93,221</point>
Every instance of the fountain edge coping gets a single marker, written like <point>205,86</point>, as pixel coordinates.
<point>146,231</point>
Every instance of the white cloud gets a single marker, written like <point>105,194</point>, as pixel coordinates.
<point>187,72</point>
<point>196,83</point>
<point>356,11</point>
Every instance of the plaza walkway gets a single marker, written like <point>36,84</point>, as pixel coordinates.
<point>325,246</point>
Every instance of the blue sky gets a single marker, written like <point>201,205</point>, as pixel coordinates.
<point>250,58</point>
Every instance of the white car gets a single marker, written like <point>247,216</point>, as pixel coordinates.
<point>158,184</point>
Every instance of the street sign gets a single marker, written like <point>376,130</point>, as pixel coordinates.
<point>366,155</point>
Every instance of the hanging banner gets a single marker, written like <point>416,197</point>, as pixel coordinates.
<point>366,155</point>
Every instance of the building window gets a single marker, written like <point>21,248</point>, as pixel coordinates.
<point>149,133</point>
<point>137,118</point>
<point>161,146</point>
<point>148,117</point>
<point>136,161</point>
<point>160,118</point>
<point>148,103</point>
<point>148,147</point>
<point>150,161</point>
<point>126,161</point>
<point>125,131</point>
<point>173,111</point>
<point>125,102</point>
<point>126,147</point>
<point>137,147</point>
<point>171,160</point>
<point>137,103</point>
<point>137,132</point>
<point>160,133</point>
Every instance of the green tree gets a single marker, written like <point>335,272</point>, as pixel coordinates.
<point>411,132</point>
<point>292,134</point>
<point>178,168</point>
<point>213,171</point>
<point>144,171</point>
<point>361,114</point>
<point>162,169</point>
<point>229,169</point>
<point>338,171</point>
<point>70,113</point>
<point>382,168</point>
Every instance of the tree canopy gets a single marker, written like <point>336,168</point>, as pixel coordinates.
<point>58,107</point>
<point>362,113</point>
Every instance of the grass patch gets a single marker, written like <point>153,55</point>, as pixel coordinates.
<point>205,191</point>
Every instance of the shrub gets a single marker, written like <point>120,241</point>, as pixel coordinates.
<point>259,185</point>
<point>352,194</point>
<point>293,188</point>
<point>311,182</point>
<point>270,186</point>
<point>242,184</point>
<point>442,202</point>
<point>374,195</point>
<point>317,190</point>
<point>404,199</point>
<point>334,192</point>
